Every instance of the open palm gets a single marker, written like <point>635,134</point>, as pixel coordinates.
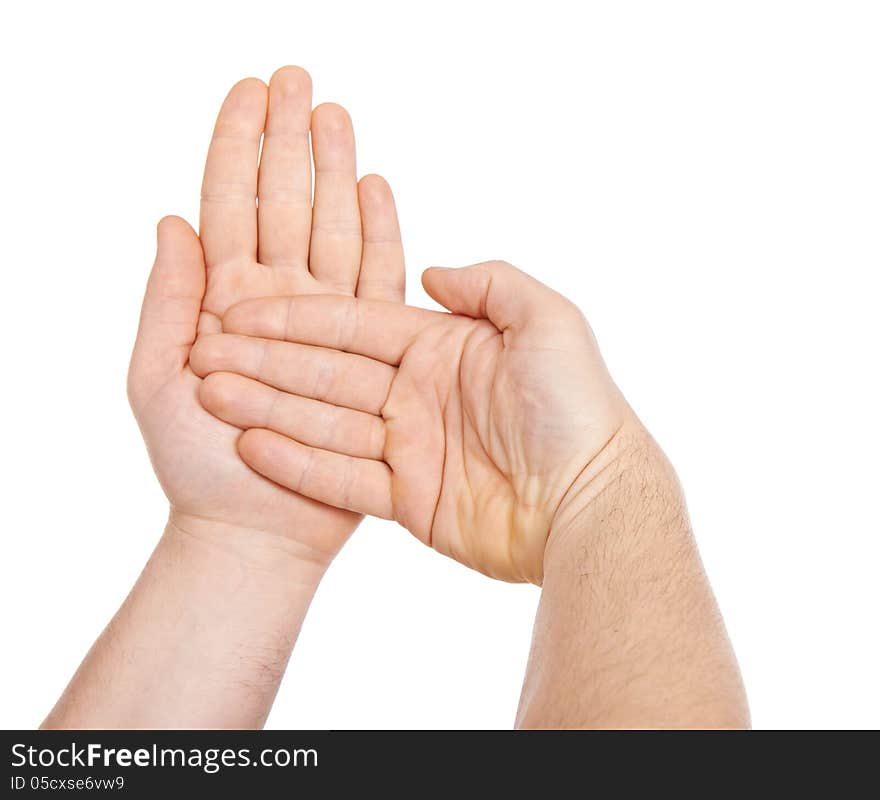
<point>470,428</point>
<point>260,235</point>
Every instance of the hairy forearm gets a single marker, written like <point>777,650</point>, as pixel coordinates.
<point>201,641</point>
<point>628,633</point>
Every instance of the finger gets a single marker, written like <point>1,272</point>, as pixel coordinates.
<point>334,377</point>
<point>285,182</point>
<point>170,312</point>
<point>371,328</point>
<point>497,291</point>
<point>247,403</point>
<point>335,252</point>
<point>356,484</point>
<point>209,324</point>
<point>382,274</point>
<point>228,226</point>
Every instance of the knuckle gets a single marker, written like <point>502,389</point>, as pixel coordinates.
<point>273,412</point>
<point>348,325</point>
<point>304,479</point>
<point>346,481</point>
<point>324,380</point>
<point>263,359</point>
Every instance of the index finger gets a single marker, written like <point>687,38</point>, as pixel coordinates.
<point>228,226</point>
<point>372,328</point>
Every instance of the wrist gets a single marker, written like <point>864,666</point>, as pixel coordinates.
<point>628,633</point>
<point>627,497</point>
<point>251,551</point>
<point>203,638</point>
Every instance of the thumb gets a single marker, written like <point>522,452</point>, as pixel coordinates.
<point>494,290</point>
<point>170,312</point>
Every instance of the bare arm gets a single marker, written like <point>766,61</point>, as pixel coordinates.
<point>204,636</point>
<point>508,447</point>
<point>628,633</point>
<point>201,641</point>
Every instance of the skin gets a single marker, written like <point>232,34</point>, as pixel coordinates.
<point>474,426</point>
<point>495,434</point>
<point>628,633</point>
<point>283,248</point>
<point>184,650</point>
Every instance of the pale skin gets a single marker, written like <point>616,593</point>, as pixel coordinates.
<point>205,635</point>
<point>495,434</point>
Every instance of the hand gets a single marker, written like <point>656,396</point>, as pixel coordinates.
<point>348,243</point>
<point>474,430</point>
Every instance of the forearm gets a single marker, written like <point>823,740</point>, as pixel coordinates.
<point>203,638</point>
<point>628,633</point>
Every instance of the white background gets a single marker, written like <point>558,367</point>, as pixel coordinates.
<point>703,178</point>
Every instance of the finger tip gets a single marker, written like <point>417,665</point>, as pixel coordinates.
<point>197,357</point>
<point>374,180</point>
<point>291,78</point>
<point>172,226</point>
<point>431,273</point>
<point>248,85</point>
<point>234,316</point>
<point>248,94</point>
<point>375,190</point>
<point>249,445</point>
<point>170,221</point>
<point>265,317</point>
<point>331,116</point>
<point>212,393</point>
<point>210,353</point>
